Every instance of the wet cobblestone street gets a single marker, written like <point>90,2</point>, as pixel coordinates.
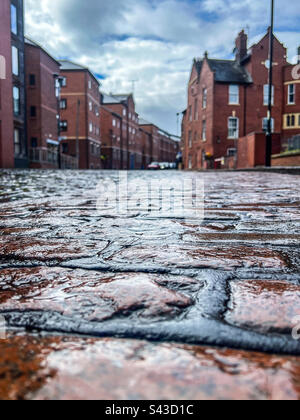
<point>142,307</point>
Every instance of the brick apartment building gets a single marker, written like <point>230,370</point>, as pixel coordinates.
<point>80,115</point>
<point>42,92</point>
<point>13,146</point>
<point>163,146</point>
<point>121,146</point>
<point>227,101</point>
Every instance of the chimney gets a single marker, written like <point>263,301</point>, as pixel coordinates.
<point>241,45</point>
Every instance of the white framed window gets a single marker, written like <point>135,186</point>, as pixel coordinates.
<point>63,82</point>
<point>16,97</point>
<point>234,94</point>
<point>91,127</point>
<point>196,115</point>
<point>90,84</point>
<point>90,106</point>
<point>204,130</point>
<point>114,123</point>
<point>17,142</point>
<point>265,124</point>
<point>291,94</point>
<point>233,128</point>
<point>14,19</point>
<point>15,60</point>
<point>266,95</point>
<point>124,113</point>
<point>204,98</point>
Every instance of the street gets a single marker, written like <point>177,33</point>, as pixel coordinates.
<point>147,304</point>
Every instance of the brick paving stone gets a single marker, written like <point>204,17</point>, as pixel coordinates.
<point>184,255</point>
<point>230,280</point>
<point>91,296</point>
<point>265,306</point>
<point>60,368</point>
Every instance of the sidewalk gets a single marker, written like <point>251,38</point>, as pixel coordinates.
<point>137,307</point>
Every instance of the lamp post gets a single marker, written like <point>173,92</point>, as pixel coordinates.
<point>270,98</point>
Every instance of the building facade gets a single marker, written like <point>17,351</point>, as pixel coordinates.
<point>228,100</point>
<point>125,146</point>
<point>80,115</point>
<point>13,145</point>
<point>42,91</point>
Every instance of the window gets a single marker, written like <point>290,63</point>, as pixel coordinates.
<point>266,95</point>
<point>63,104</point>
<point>291,94</point>
<point>90,84</point>
<point>65,148</point>
<point>32,111</point>
<point>234,94</point>
<point>90,106</point>
<point>63,82</point>
<point>17,142</point>
<point>204,130</point>
<point>196,110</point>
<point>190,139</point>
<point>32,80</point>
<point>91,127</point>
<point>231,152</point>
<point>16,97</point>
<point>14,19</point>
<point>265,125</point>
<point>291,121</point>
<point>204,98</point>
<point>233,128</point>
<point>190,113</point>
<point>34,142</point>
<point>64,125</point>
<point>114,123</point>
<point>15,61</point>
<point>124,113</point>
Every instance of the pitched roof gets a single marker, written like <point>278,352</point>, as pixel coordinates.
<point>144,122</point>
<point>123,97</point>
<point>229,71</point>
<point>109,99</point>
<point>69,65</point>
<point>29,41</point>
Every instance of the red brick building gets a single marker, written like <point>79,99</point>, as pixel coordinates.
<point>80,115</point>
<point>120,132</point>
<point>6,92</point>
<point>42,76</point>
<point>227,100</point>
<point>13,147</point>
<point>163,146</point>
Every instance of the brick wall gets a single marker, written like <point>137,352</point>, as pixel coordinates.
<point>6,101</point>
<point>292,160</point>
<point>251,149</point>
<point>77,89</point>
<point>44,126</point>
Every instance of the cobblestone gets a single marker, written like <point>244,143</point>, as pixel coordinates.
<point>221,294</point>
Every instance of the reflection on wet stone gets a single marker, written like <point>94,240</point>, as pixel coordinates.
<point>230,279</point>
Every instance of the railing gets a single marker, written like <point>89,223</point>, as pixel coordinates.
<point>45,156</point>
<point>294,143</point>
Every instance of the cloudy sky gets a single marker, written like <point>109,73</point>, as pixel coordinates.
<point>153,41</point>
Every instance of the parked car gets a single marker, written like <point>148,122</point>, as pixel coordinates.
<point>164,165</point>
<point>154,166</point>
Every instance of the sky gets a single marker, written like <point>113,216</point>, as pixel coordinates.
<point>153,42</point>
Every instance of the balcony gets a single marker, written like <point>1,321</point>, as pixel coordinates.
<point>42,157</point>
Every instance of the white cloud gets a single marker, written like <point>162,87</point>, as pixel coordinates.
<point>153,41</point>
